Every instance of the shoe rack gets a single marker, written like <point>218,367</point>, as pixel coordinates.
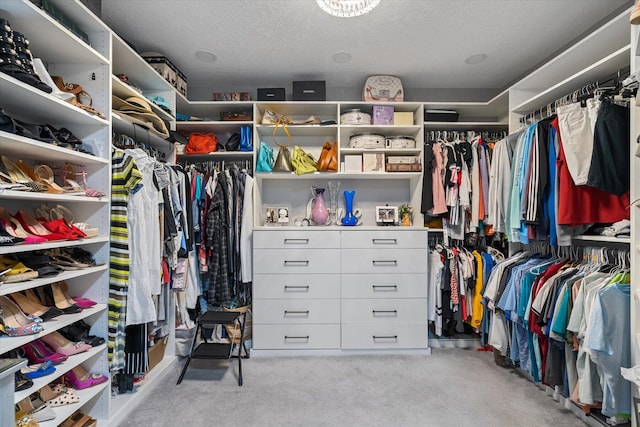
<point>68,56</point>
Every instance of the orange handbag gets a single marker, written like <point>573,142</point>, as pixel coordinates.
<point>201,143</point>
<point>328,161</point>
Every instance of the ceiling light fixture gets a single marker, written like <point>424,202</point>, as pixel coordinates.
<point>205,56</point>
<point>475,59</point>
<point>341,57</point>
<point>347,8</point>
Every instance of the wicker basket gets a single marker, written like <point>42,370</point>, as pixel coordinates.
<point>233,330</point>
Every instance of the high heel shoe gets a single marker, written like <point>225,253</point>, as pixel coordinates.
<point>45,175</point>
<point>59,396</point>
<point>68,175</point>
<point>82,99</point>
<point>60,300</point>
<point>14,228</point>
<point>35,227</point>
<point>62,345</point>
<point>37,352</point>
<point>60,211</point>
<point>81,379</point>
<point>15,322</point>
<point>80,301</point>
<point>40,414</point>
<point>33,307</point>
<point>17,176</point>
<point>38,370</point>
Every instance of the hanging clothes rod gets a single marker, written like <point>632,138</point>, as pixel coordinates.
<point>611,82</point>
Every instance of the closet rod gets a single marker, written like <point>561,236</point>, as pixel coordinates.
<point>585,91</point>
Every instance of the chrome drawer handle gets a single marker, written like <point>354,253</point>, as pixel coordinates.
<point>287,337</point>
<point>385,337</point>
<point>296,263</point>
<point>296,288</point>
<point>381,263</point>
<point>302,312</point>
<point>385,288</point>
<point>392,312</point>
<point>296,241</point>
<point>384,241</point>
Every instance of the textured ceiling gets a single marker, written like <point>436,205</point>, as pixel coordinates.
<point>269,43</point>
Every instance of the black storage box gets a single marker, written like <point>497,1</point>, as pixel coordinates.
<point>271,94</point>
<point>310,90</point>
<point>440,116</point>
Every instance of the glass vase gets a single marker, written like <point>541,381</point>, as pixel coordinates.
<point>349,218</point>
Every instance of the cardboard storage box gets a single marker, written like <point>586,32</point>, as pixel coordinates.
<point>271,94</point>
<point>310,90</point>
<point>156,353</point>
<point>403,118</point>
<point>382,115</point>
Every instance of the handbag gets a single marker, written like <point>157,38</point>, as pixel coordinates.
<point>245,139</point>
<point>265,158</point>
<point>232,144</point>
<point>328,161</point>
<point>383,88</point>
<point>303,162</point>
<point>283,159</point>
<point>201,143</point>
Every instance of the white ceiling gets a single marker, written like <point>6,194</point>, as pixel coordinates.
<point>270,43</point>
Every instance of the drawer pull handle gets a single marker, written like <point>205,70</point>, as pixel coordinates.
<point>385,241</point>
<point>382,263</point>
<point>296,241</point>
<point>392,312</point>
<point>385,337</point>
<point>385,288</point>
<point>296,263</point>
<point>296,288</point>
<point>287,337</point>
<point>302,312</point>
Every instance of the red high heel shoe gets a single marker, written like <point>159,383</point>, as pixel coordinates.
<point>15,229</point>
<point>35,227</point>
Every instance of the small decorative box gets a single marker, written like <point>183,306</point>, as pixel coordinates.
<point>382,115</point>
<point>403,118</point>
<point>373,162</point>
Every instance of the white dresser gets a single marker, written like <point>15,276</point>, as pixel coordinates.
<point>332,289</point>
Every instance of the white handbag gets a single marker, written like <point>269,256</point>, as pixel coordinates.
<point>383,88</point>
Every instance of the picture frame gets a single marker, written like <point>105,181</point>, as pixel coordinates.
<point>275,215</point>
<point>386,215</point>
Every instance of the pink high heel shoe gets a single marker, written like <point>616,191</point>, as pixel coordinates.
<point>81,379</point>
<point>62,345</point>
<point>37,352</point>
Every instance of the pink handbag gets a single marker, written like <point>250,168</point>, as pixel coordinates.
<point>383,88</point>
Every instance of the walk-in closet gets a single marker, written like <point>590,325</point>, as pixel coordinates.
<point>319,212</point>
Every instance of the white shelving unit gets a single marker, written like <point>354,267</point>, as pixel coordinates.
<point>88,65</point>
<point>635,217</point>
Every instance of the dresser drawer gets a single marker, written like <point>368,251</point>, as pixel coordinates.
<point>393,238</point>
<point>292,311</point>
<point>296,261</point>
<point>296,337</point>
<point>296,286</point>
<point>384,310</point>
<point>297,239</point>
<point>382,286</point>
<point>387,261</point>
<point>385,336</point>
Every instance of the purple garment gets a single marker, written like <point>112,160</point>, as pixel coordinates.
<point>484,176</point>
